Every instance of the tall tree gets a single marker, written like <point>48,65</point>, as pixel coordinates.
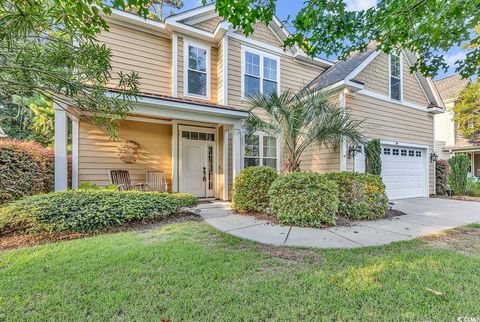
<point>467,112</point>
<point>426,27</point>
<point>301,120</point>
<point>48,47</point>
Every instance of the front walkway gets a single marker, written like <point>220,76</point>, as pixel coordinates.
<point>424,217</point>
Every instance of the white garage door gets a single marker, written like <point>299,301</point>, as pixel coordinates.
<point>404,171</point>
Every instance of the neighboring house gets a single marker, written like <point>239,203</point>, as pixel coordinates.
<point>196,74</point>
<point>448,140</point>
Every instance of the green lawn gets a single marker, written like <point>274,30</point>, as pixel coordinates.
<point>189,271</point>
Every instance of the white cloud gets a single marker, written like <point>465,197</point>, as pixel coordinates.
<point>451,58</point>
<point>357,5</point>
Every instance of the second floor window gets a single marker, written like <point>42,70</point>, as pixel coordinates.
<point>395,77</point>
<point>197,70</point>
<point>260,73</point>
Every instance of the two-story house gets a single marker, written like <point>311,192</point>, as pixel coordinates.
<point>448,140</point>
<point>196,74</point>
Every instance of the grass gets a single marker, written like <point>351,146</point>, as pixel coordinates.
<point>189,271</point>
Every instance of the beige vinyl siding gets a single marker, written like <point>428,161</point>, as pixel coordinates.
<point>392,122</point>
<point>293,74</point>
<point>444,135</point>
<point>220,81</point>
<point>143,52</point>
<point>98,153</point>
<point>181,69</point>
<point>320,159</point>
<point>263,34</point>
<point>376,79</point>
<point>208,25</point>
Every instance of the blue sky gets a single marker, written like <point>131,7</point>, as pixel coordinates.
<point>290,8</point>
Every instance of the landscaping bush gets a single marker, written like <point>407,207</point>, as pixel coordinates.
<point>361,195</point>
<point>459,168</point>
<point>473,187</point>
<point>373,162</point>
<point>441,177</point>
<point>26,168</point>
<point>250,189</point>
<point>88,210</point>
<point>304,199</point>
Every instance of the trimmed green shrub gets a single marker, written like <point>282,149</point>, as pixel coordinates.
<point>473,187</point>
<point>459,168</point>
<point>250,188</point>
<point>441,177</point>
<point>304,199</point>
<point>88,211</point>
<point>361,195</point>
<point>26,168</point>
<point>373,162</point>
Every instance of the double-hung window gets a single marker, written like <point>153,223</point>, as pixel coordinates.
<point>261,149</point>
<point>197,76</point>
<point>395,77</point>
<point>260,72</point>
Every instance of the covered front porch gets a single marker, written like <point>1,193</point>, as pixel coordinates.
<point>197,146</point>
<point>474,155</point>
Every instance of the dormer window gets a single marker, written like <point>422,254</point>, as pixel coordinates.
<point>395,77</point>
<point>260,72</point>
<point>197,70</point>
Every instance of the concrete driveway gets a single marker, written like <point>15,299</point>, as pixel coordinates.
<point>424,216</point>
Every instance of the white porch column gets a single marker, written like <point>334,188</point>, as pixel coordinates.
<point>225,163</point>
<point>74,152</point>
<point>236,150</point>
<point>343,144</point>
<point>61,172</point>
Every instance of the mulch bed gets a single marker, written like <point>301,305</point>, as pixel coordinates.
<point>463,198</point>
<point>18,241</point>
<point>340,220</point>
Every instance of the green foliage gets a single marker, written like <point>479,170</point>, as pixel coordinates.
<point>473,187</point>
<point>26,168</point>
<point>49,48</point>
<point>302,120</point>
<point>88,210</point>
<point>361,195</point>
<point>250,188</point>
<point>459,168</point>
<point>304,199</point>
<point>428,28</point>
<point>87,186</point>
<point>467,112</point>
<point>34,123</point>
<point>441,177</point>
<point>373,161</point>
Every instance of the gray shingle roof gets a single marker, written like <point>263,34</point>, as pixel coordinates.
<point>339,71</point>
<point>450,87</point>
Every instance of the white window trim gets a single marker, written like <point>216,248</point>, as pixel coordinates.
<point>390,77</point>
<point>262,54</point>
<point>260,135</point>
<point>187,43</point>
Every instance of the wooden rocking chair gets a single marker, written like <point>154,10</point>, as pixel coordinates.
<point>121,178</point>
<point>157,181</point>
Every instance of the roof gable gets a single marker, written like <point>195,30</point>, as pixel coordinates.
<point>450,87</point>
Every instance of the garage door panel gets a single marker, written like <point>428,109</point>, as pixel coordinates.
<point>403,171</point>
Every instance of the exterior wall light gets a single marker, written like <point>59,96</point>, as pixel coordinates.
<point>433,157</point>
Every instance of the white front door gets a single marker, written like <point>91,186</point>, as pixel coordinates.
<point>193,168</point>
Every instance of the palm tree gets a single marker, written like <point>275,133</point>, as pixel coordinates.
<point>300,120</point>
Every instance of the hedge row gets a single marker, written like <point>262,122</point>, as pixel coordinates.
<point>26,168</point>
<point>308,198</point>
<point>88,210</point>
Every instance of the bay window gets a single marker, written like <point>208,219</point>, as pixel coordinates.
<point>261,149</point>
<point>260,72</point>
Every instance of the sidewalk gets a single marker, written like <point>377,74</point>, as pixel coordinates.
<point>424,217</point>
